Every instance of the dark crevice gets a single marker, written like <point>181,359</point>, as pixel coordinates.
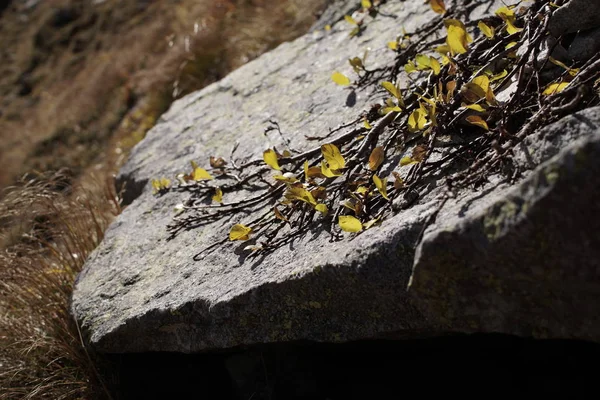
<point>479,364</point>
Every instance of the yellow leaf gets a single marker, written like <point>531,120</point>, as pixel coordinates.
<point>475,107</point>
<point>366,4</point>
<point>476,90</point>
<point>555,88</point>
<point>327,172</point>
<point>218,196</point>
<point>286,154</point>
<point>327,28</point>
<point>270,158</point>
<point>393,89</point>
<point>422,61</point>
<point>458,39</point>
<point>509,17</point>
<point>511,28</point>
<point>200,174</point>
<point>505,13</point>
<point>511,45</point>
<point>387,110</point>
<point>159,185</point>
<point>393,45</point>
<point>410,67</point>
<point>366,123</point>
<point>356,64</point>
<point>322,208</point>
<point>488,31</point>
<point>381,185</point>
<point>435,66</point>
<point>332,156</point>
<point>350,20</point>
<point>438,6</point>
<point>443,49</point>
<point>417,119</point>
<point>376,158</point>
<point>239,232</point>
<point>288,177</point>
<point>477,121</point>
<point>340,79</point>
<point>571,71</point>
<point>299,193</point>
<point>370,224</point>
<point>407,160</point>
<point>164,182</point>
<point>312,172</point>
<point>348,223</point>
<point>361,190</point>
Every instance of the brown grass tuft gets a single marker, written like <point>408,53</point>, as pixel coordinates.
<point>48,229</point>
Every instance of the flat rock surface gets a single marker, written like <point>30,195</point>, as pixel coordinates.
<point>142,292</point>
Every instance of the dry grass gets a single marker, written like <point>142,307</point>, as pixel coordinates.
<point>97,84</point>
<point>48,228</point>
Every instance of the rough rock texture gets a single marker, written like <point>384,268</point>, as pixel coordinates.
<point>523,260</point>
<point>574,16</point>
<point>140,292</point>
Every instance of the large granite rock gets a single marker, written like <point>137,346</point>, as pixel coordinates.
<point>523,260</point>
<point>141,292</point>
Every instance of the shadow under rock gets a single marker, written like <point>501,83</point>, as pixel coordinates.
<point>374,369</point>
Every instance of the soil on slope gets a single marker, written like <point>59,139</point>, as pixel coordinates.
<point>81,81</point>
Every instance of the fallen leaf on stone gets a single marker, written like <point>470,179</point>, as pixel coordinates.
<point>288,177</point>
<point>376,158</point>
<point>555,88</point>
<point>458,39</point>
<point>390,87</point>
<point>340,79</point>
<point>322,208</point>
<point>333,157</point>
<point>160,184</point>
<point>508,16</point>
<point>239,232</point>
<point>200,174</point>
<point>350,20</point>
<point>218,196</point>
<point>348,223</point>
<point>381,185</point>
<point>488,31</point>
<point>299,193</point>
<point>270,158</point>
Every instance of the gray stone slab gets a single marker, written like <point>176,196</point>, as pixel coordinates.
<point>140,292</point>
